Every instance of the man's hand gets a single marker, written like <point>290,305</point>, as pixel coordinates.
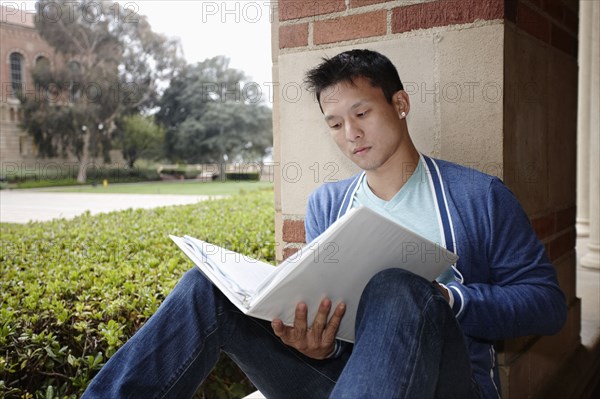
<point>317,341</point>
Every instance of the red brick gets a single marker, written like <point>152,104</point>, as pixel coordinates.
<point>510,10</point>
<point>533,22</point>
<point>405,19</point>
<point>289,251</point>
<point>293,231</point>
<point>563,40</point>
<point>444,13</point>
<point>351,27</point>
<point>509,350</point>
<point>554,8</point>
<point>562,244</point>
<point>294,9</point>
<point>571,21</point>
<point>565,273</point>
<point>565,218</point>
<point>487,9</point>
<point>293,35</point>
<point>516,382</point>
<point>434,13</point>
<point>544,226</point>
<point>362,3</point>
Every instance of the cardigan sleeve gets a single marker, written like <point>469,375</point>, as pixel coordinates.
<point>522,296</point>
<point>311,222</point>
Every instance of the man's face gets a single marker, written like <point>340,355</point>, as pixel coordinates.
<point>366,128</point>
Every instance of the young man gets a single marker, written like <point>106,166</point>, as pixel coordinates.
<point>414,338</point>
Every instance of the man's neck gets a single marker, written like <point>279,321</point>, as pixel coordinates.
<point>387,180</point>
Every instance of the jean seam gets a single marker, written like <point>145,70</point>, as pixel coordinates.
<point>417,347</point>
<point>186,365</point>
<point>190,360</point>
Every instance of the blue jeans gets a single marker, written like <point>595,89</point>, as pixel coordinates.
<point>408,345</point>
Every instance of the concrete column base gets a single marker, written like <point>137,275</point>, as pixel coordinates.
<point>592,258</point>
<point>583,227</point>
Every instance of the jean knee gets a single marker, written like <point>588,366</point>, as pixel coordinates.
<point>397,285</point>
<point>395,297</point>
<point>193,284</point>
<point>396,279</point>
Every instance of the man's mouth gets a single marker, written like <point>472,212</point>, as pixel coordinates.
<point>360,150</point>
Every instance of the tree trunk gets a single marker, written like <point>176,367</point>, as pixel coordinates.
<point>222,164</point>
<point>84,160</point>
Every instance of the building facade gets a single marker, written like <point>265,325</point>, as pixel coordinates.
<point>21,49</point>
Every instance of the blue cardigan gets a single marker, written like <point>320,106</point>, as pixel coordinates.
<point>509,286</point>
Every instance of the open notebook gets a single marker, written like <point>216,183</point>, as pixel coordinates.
<point>338,265</point>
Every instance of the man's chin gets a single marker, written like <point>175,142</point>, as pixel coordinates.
<point>366,166</point>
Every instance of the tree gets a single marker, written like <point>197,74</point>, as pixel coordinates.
<point>213,113</point>
<point>141,138</point>
<point>113,66</point>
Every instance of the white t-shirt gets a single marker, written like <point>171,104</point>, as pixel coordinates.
<point>412,207</point>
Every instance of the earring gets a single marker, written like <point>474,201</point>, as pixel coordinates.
<point>403,114</point>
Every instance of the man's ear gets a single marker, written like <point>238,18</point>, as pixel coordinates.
<point>401,102</point>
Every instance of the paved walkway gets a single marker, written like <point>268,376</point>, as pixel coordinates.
<point>22,206</point>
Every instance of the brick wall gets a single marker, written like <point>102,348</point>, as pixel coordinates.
<point>552,21</point>
<point>311,23</point>
<point>539,129</point>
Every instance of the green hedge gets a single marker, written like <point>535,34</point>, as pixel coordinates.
<point>72,292</point>
<point>182,172</point>
<point>66,174</point>
<point>236,176</point>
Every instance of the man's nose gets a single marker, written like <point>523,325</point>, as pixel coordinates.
<point>353,131</point>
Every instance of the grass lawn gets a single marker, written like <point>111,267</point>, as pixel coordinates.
<point>170,187</point>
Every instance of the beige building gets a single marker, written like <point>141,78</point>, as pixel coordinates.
<point>21,48</point>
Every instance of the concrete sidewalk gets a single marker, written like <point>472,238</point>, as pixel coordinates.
<point>22,206</point>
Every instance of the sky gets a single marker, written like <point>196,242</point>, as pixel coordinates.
<point>238,29</point>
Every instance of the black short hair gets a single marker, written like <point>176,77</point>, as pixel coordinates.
<point>349,65</point>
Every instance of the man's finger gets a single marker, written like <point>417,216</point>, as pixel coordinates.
<point>320,320</point>
<point>300,322</point>
<point>278,327</point>
<point>334,323</point>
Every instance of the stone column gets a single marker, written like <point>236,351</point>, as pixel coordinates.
<point>583,118</point>
<point>592,257</point>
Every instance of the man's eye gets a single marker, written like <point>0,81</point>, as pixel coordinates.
<point>335,126</point>
<point>361,114</point>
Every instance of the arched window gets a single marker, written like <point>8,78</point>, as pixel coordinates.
<point>74,67</point>
<point>42,62</point>
<point>41,74</point>
<point>16,72</point>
